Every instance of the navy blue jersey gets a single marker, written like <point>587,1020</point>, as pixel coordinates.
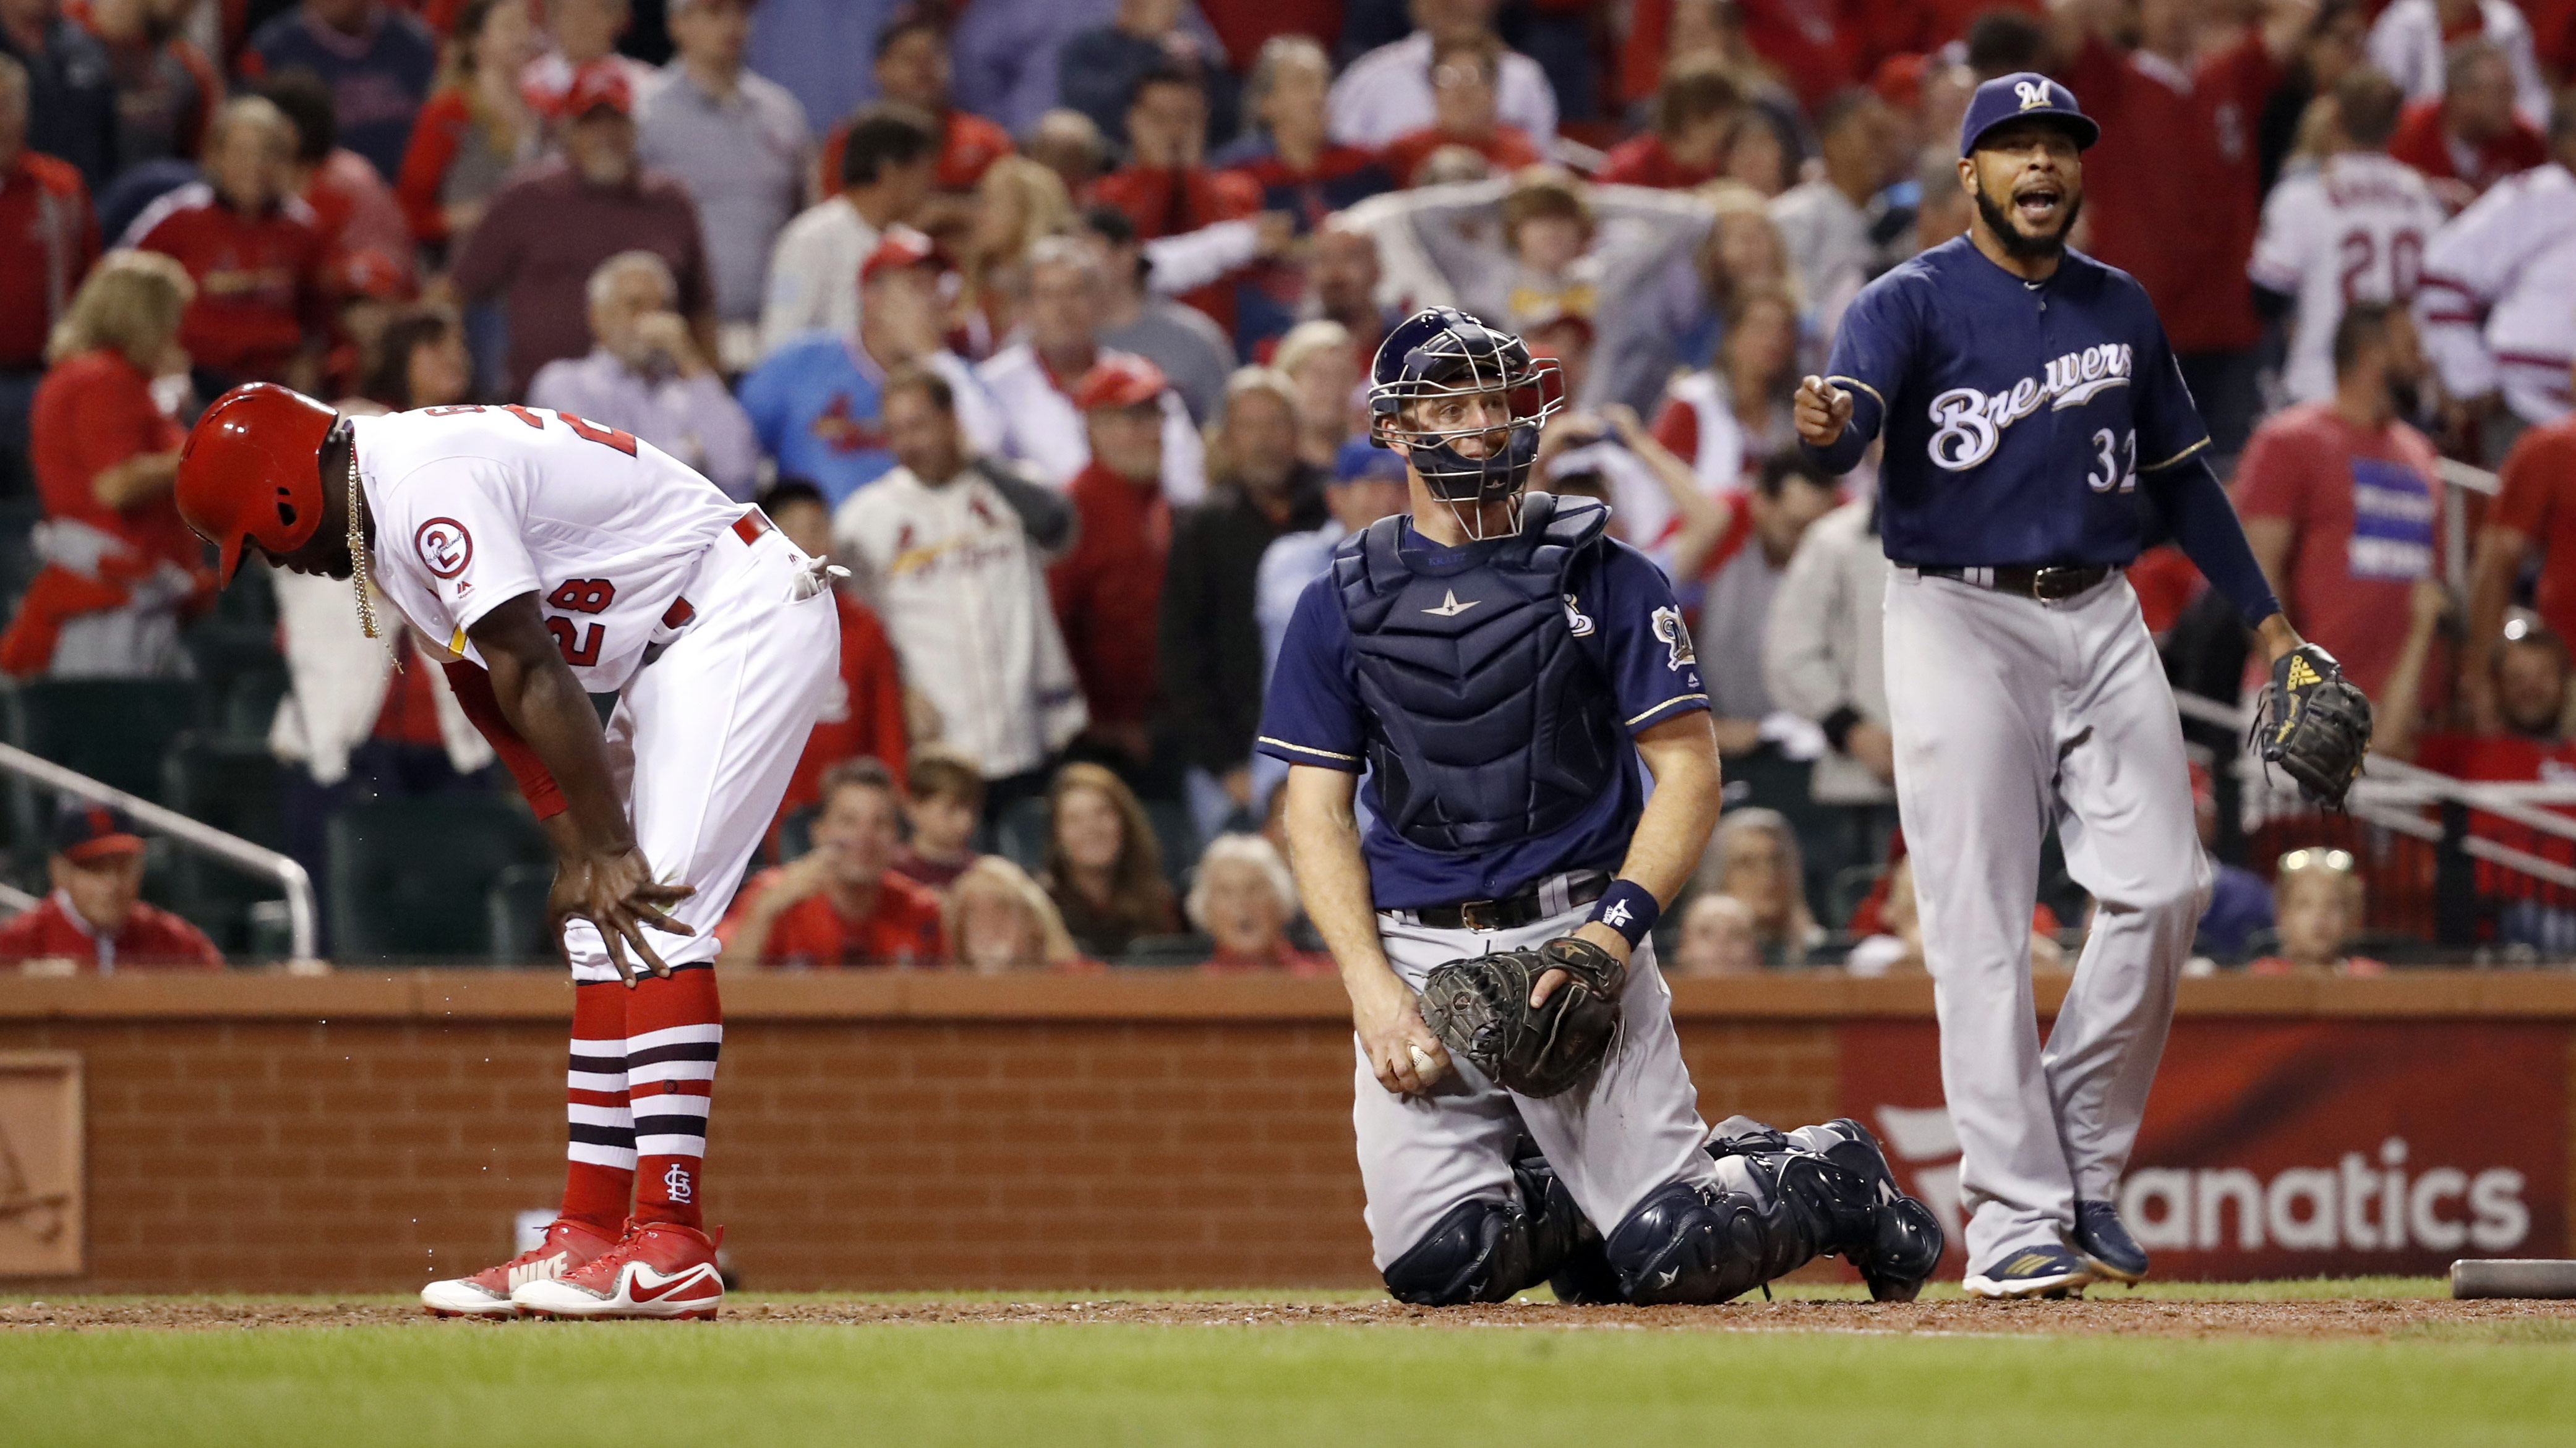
<point>2019,415</point>
<point>1622,613</point>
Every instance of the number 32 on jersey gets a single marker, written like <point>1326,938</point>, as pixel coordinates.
<point>2115,464</point>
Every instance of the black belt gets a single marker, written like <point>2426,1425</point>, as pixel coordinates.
<point>1512,911</point>
<point>2047,582</point>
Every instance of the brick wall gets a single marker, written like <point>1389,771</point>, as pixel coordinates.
<point>360,1133</point>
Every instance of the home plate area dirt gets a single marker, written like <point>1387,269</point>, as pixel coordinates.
<point>2104,1314</point>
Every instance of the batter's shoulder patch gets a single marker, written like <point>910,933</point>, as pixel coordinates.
<point>1676,637</point>
<point>445,548</point>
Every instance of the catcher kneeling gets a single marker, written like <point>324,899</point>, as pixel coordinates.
<point>1500,667</point>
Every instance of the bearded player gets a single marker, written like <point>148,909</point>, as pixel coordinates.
<point>550,559</point>
<point>1498,668</point>
<point>2038,434</point>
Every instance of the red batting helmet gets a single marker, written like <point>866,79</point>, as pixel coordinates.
<point>251,472</point>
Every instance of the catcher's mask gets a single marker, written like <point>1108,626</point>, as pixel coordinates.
<point>1442,354</point>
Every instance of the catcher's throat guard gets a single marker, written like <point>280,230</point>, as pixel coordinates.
<point>1441,353</point>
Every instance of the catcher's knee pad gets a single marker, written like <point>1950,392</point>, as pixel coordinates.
<point>1565,1249</point>
<point>1479,1252</point>
<point>1702,1243</point>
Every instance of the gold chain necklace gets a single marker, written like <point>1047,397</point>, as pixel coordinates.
<point>358,546</point>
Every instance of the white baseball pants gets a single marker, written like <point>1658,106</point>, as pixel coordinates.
<point>2008,714</point>
<point>704,738</point>
<point>1630,1130</point>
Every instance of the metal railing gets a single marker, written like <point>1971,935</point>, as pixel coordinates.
<point>302,920</point>
<point>2393,794</point>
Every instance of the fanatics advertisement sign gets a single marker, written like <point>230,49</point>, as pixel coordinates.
<point>2279,1149</point>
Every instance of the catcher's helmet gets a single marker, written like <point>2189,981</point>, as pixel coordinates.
<point>1443,352</point>
<point>251,472</point>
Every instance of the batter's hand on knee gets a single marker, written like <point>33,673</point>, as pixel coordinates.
<point>615,891</point>
<point>1821,410</point>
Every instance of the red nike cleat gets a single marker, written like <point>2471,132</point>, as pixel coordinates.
<point>567,1245</point>
<point>659,1270</point>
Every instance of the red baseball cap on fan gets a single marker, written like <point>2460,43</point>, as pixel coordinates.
<point>1120,380</point>
<point>901,246</point>
<point>600,83</point>
<point>85,833</point>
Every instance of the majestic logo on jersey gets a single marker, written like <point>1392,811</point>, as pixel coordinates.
<point>1971,422</point>
<point>1450,607</point>
<point>1676,636</point>
<point>1575,619</point>
<point>444,546</point>
<point>2032,94</point>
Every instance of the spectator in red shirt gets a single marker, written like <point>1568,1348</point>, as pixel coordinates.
<point>1465,112</point>
<point>1000,920</point>
<point>1166,187</point>
<point>363,230</point>
<point>943,800</point>
<point>1104,868</point>
<point>863,711</point>
<point>551,226</point>
<point>1109,589</point>
<point>119,563</point>
<point>2319,899</point>
<point>1242,898</point>
<point>912,69</point>
<point>2537,506</point>
<point>2342,501</point>
<point>2180,117</point>
<point>2526,680</point>
<point>476,127</point>
<point>48,238</point>
<point>95,922</point>
<point>1696,112</point>
<point>841,906</point>
<point>256,252</point>
<point>2471,138</point>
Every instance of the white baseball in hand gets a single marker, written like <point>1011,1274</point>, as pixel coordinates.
<point>1424,1064</point>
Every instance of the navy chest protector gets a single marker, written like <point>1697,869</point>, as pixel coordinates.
<point>1492,724</point>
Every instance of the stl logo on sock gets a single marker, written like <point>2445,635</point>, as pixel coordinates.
<point>676,1182</point>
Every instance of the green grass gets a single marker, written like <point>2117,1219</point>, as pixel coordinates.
<point>742,1384</point>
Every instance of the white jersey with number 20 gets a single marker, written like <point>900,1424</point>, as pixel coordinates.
<point>477,505</point>
<point>2352,230</point>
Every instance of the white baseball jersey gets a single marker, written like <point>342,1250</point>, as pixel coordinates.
<point>1041,428</point>
<point>964,599</point>
<point>2498,304</point>
<point>477,505</point>
<point>2353,229</point>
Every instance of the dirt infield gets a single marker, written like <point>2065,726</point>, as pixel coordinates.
<point>2105,1314</point>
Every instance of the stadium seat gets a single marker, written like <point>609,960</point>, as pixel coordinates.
<point>241,674</point>
<point>117,731</point>
<point>237,788</point>
<point>515,910</point>
<point>407,874</point>
<point>1167,952</point>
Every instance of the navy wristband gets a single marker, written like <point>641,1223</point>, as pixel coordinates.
<point>1628,908</point>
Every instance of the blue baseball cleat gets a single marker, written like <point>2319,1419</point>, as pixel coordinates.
<point>2032,1272</point>
<point>2105,1244</point>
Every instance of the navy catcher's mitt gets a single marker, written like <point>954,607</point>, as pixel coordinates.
<point>1479,1008</point>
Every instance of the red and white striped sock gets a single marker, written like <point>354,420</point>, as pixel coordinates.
<point>600,1176</point>
<point>674,1030</point>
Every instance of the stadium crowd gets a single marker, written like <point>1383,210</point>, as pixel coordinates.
<point>1051,321</point>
